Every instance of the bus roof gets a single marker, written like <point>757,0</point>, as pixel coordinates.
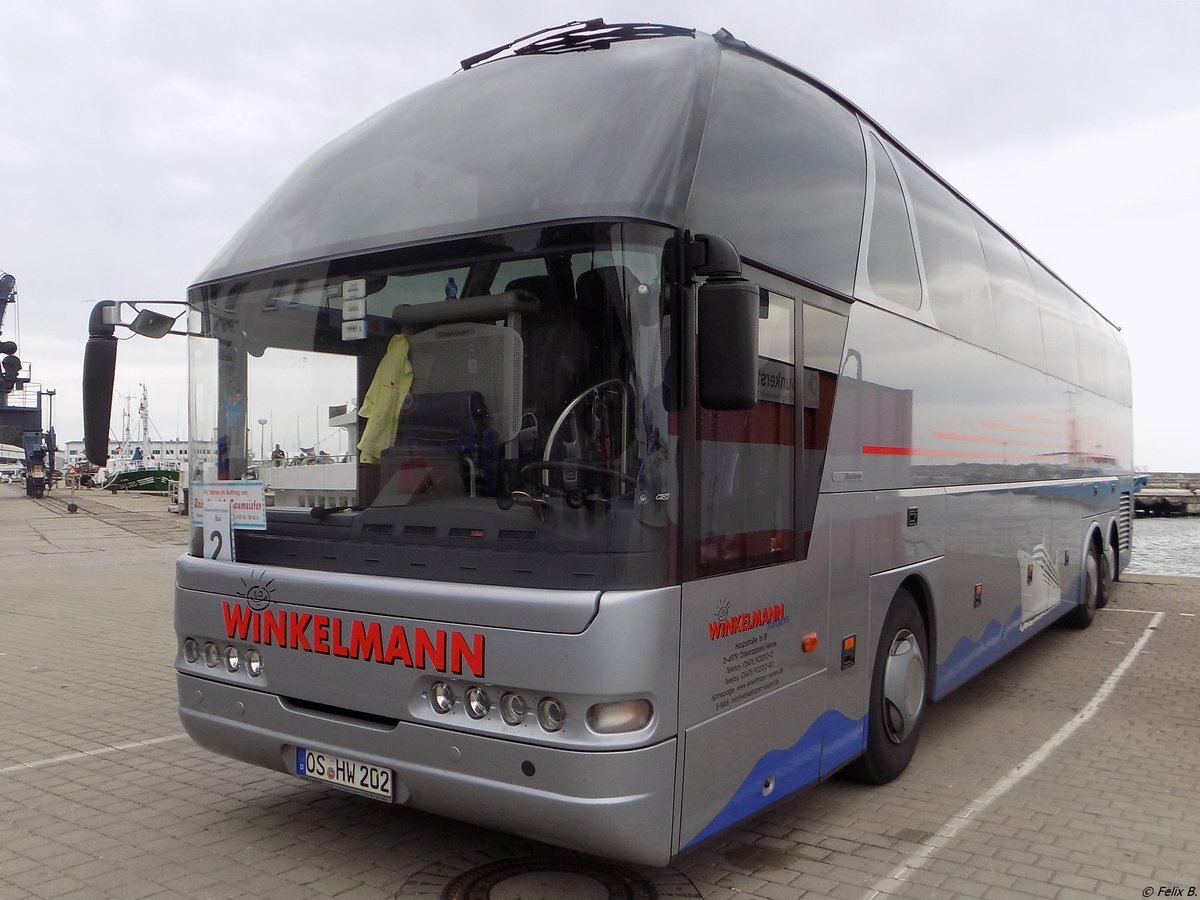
<point>553,126</point>
<point>518,141</point>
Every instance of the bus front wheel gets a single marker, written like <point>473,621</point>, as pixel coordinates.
<point>898,695</point>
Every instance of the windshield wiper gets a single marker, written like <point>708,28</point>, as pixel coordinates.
<point>575,37</point>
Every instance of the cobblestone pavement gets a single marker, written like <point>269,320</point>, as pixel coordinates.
<point>1069,769</point>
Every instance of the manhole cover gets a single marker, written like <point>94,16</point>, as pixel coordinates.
<point>549,878</point>
<point>532,872</point>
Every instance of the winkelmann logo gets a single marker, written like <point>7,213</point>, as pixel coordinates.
<point>767,617</point>
<point>436,648</point>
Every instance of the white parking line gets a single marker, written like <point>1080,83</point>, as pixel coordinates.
<point>963,817</point>
<point>1144,612</point>
<point>84,754</point>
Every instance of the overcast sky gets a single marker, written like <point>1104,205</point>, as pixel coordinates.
<point>136,137</point>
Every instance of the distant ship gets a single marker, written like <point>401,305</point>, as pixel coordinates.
<point>134,472</point>
<point>131,475</point>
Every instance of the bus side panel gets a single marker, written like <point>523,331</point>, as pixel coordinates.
<point>917,407</point>
<point>740,762</point>
<point>1024,544</point>
<point>1032,454</point>
<point>751,696</point>
<point>870,534</point>
<point>980,608</point>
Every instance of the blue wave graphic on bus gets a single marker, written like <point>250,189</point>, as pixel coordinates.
<point>832,740</point>
<point>969,658</point>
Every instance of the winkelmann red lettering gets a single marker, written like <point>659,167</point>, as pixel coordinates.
<point>430,649</point>
<point>339,649</point>
<point>397,648</point>
<point>740,622</point>
<point>460,653</point>
<point>237,621</point>
<point>366,640</point>
<point>274,628</point>
<point>437,648</point>
<point>297,639</point>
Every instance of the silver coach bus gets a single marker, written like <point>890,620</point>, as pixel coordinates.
<point>590,514</point>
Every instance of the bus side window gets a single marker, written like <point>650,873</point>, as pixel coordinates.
<point>747,459</point>
<point>824,344</point>
<point>891,256</point>
<point>955,270</point>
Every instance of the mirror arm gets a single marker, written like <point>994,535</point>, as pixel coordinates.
<point>711,255</point>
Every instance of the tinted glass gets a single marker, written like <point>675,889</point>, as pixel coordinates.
<point>1091,339</point>
<point>824,343</point>
<point>1117,380</point>
<point>1058,325</point>
<point>782,173</point>
<point>472,411</point>
<point>1018,324</point>
<point>531,139</point>
<point>891,258</point>
<point>955,273</point>
<point>747,459</point>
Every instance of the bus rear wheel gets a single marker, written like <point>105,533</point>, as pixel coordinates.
<point>897,705</point>
<point>1108,568</point>
<point>1089,591</point>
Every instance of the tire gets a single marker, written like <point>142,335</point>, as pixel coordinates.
<point>1089,591</point>
<point>1108,567</point>
<point>899,682</point>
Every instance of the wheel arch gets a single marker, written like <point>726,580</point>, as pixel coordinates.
<point>922,593</point>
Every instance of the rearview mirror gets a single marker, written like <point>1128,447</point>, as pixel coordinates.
<point>99,369</point>
<point>151,324</point>
<point>727,325</point>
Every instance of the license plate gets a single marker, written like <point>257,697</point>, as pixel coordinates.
<point>348,774</point>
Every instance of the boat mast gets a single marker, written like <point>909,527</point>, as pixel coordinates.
<point>126,437</point>
<point>144,415</point>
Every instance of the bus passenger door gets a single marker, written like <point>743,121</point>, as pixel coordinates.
<point>751,695</point>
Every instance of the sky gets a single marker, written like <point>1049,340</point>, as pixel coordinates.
<point>137,137</point>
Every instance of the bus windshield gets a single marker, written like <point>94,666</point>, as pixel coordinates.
<point>411,412</point>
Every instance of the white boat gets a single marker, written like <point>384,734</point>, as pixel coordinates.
<point>315,479</point>
<point>137,471</point>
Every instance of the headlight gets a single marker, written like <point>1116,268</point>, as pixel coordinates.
<point>551,714</point>
<point>477,703</point>
<point>254,663</point>
<point>620,717</point>
<point>513,708</point>
<point>212,656</point>
<point>233,658</point>
<point>441,697</point>
<point>191,650</point>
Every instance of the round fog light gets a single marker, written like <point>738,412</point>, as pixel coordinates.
<point>477,703</point>
<point>254,663</point>
<point>513,709</point>
<point>212,655</point>
<point>233,658</point>
<point>191,650</point>
<point>441,697</point>
<point>551,715</point>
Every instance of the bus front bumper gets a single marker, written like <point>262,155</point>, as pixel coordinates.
<point>614,803</point>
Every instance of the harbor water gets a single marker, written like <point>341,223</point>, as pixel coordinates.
<point>1166,546</point>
